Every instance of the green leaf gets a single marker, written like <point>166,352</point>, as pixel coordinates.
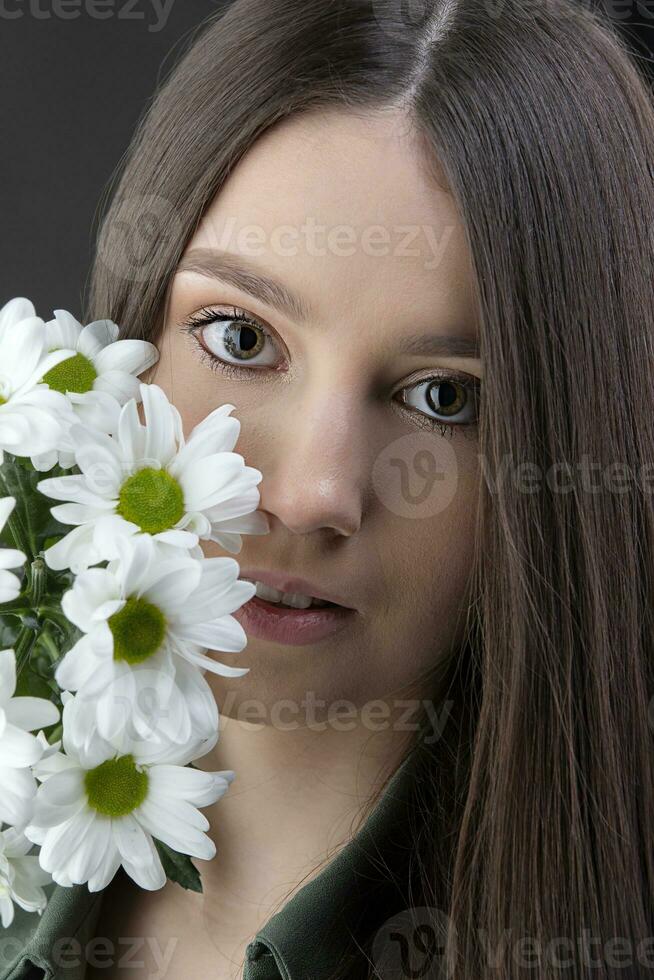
<point>179,867</point>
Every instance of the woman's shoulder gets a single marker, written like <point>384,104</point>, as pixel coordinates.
<point>57,943</point>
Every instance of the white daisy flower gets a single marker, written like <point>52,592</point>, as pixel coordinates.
<point>33,418</point>
<point>21,876</point>
<point>101,376</point>
<point>18,748</point>
<point>9,557</point>
<point>92,816</point>
<point>150,480</point>
<point>147,621</point>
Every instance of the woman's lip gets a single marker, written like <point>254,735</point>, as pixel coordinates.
<point>293,627</point>
<point>286,583</point>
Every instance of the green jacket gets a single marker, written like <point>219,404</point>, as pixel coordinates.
<point>353,896</point>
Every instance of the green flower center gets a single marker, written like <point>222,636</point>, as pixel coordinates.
<point>116,787</point>
<point>76,374</point>
<point>3,401</point>
<point>152,499</point>
<point>138,629</point>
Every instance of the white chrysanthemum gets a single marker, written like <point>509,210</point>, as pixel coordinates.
<point>91,817</point>
<point>147,621</point>
<point>150,480</point>
<point>18,748</point>
<point>21,876</point>
<point>9,557</point>
<point>101,376</point>
<point>33,418</point>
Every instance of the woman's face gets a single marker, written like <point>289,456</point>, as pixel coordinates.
<point>355,376</point>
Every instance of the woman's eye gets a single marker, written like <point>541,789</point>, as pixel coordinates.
<point>234,339</point>
<point>448,400</point>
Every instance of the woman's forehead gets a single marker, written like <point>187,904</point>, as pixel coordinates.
<point>343,212</point>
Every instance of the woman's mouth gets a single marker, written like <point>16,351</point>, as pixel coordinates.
<point>292,618</point>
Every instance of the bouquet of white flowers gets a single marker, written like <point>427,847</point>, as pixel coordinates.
<point>107,610</point>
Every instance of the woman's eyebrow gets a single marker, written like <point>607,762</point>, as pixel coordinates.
<point>234,269</point>
<point>218,264</point>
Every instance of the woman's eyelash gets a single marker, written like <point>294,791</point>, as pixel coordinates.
<point>206,316</point>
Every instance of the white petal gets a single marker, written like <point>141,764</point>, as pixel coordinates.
<point>75,550</point>
<point>63,331</point>
<point>15,310</point>
<point>225,633</point>
<point>11,558</point>
<point>177,539</point>
<point>7,505</point>
<point>132,841</point>
<point>167,826</point>
<point>17,792</point>
<point>172,584</point>
<point>6,911</point>
<point>92,588</point>
<point>62,842</point>
<point>162,425</point>
<point>97,335</point>
<point>208,482</point>
<point>206,441</point>
<point>9,587</point>
<point>18,748</point>
<point>131,436</point>
<point>121,385</point>
<point>78,666</point>
<point>7,675</point>
<point>28,429</point>
<point>131,356</point>
<point>106,870</point>
<point>96,410</point>
<point>22,348</point>
<point>194,785</point>
<point>31,713</point>
<point>193,656</point>
<point>79,514</point>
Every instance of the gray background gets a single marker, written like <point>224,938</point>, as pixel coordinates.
<point>75,77</point>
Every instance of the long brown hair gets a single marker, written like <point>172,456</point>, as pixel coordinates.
<point>535,811</point>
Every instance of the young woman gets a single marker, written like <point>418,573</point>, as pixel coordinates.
<point>414,249</point>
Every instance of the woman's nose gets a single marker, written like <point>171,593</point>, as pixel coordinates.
<point>316,471</point>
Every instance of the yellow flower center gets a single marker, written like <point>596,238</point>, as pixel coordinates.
<point>138,629</point>
<point>151,499</point>
<point>75,374</point>
<point>116,787</point>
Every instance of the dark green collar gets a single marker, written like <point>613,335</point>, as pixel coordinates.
<point>353,895</point>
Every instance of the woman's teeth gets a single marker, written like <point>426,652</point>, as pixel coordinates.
<point>294,599</point>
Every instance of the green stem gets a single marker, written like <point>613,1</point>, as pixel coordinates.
<point>38,576</point>
<point>27,493</point>
<point>54,616</point>
<point>15,608</point>
<point>23,647</point>
<point>51,648</point>
<point>19,533</point>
